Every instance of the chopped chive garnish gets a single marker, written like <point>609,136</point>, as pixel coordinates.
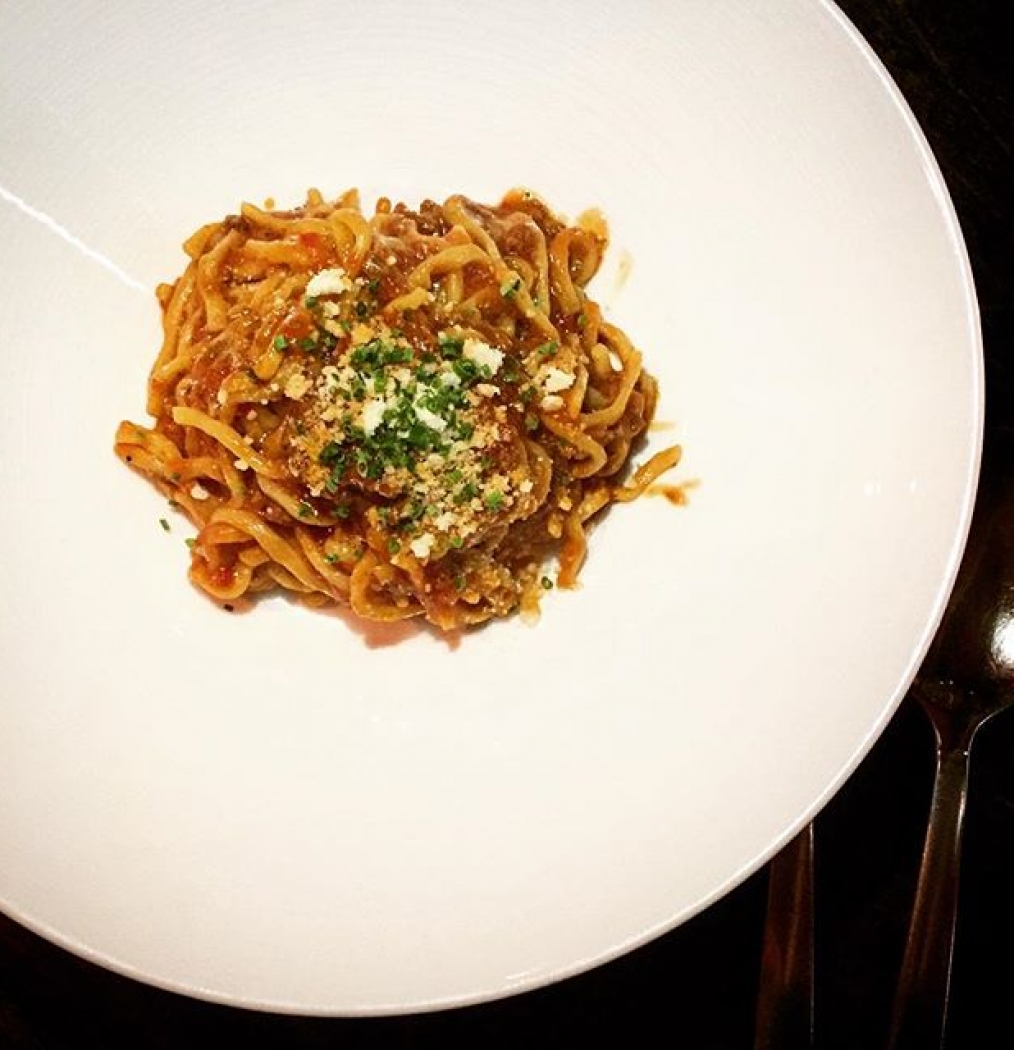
<point>467,492</point>
<point>510,372</point>
<point>510,287</point>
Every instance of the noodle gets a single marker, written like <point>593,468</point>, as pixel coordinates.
<point>408,414</point>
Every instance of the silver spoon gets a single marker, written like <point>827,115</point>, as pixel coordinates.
<point>966,679</point>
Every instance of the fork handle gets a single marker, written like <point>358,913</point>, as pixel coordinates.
<point>784,1015</point>
<point>920,1003</point>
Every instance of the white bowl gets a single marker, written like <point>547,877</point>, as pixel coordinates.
<point>265,811</point>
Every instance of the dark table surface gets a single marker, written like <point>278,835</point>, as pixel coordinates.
<point>696,986</point>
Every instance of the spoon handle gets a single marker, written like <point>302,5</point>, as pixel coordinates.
<point>920,1002</point>
<point>784,1017</point>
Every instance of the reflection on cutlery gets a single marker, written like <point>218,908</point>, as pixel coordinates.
<point>967,678</point>
<point>784,1018</point>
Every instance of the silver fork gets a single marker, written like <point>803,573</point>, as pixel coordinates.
<point>966,679</point>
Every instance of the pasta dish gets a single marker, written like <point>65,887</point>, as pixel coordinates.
<point>409,413</point>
